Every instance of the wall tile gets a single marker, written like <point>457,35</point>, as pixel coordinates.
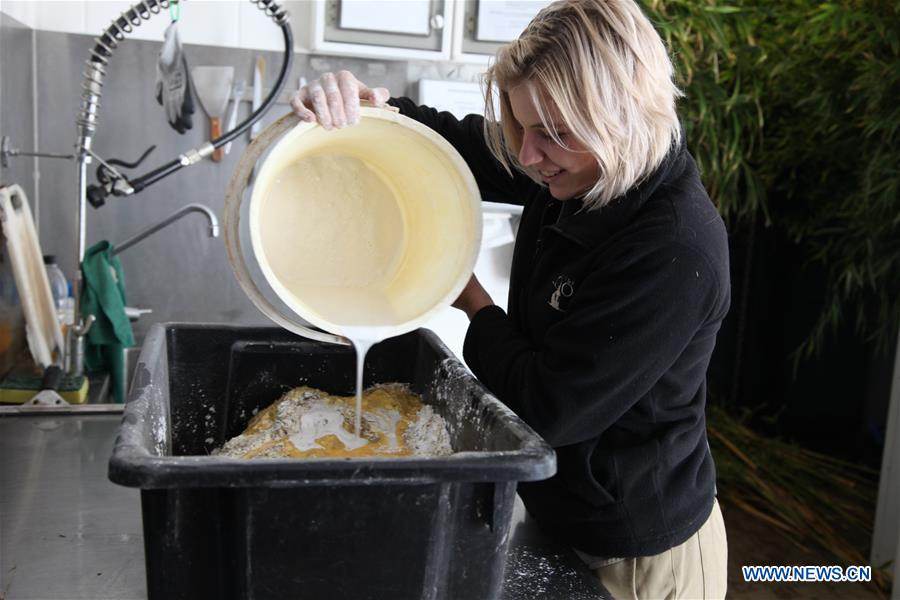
<point>17,101</point>
<point>16,121</point>
<point>22,11</point>
<point>211,22</point>
<point>56,15</point>
<point>99,15</point>
<point>256,30</point>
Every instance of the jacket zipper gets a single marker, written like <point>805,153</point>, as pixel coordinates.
<point>539,243</point>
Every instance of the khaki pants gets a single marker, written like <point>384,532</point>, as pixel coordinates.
<point>696,569</point>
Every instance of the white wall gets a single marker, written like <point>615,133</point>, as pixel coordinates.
<point>230,23</point>
<point>240,24</point>
<point>23,12</point>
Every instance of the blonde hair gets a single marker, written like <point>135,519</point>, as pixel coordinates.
<point>606,70</point>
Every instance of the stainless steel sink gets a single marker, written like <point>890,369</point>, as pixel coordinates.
<point>131,358</point>
<point>100,390</point>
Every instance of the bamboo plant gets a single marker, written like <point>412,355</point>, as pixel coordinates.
<point>792,111</point>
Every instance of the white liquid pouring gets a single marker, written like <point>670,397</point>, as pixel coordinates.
<point>362,339</point>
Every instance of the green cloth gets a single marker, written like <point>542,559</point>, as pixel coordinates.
<point>103,295</point>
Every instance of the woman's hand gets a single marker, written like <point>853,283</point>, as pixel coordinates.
<point>333,99</point>
<point>473,298</point>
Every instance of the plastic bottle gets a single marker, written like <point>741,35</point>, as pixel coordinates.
<point>59,286</point>
<point>67,311</point>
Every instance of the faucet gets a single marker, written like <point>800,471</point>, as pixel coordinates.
<point>75,337</point>
<point>201,208</point>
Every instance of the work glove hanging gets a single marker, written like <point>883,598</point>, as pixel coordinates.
<point>173,83</point>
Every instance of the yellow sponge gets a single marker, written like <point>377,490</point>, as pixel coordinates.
<point>19,389</point>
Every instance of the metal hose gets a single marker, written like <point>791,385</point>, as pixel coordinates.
<point>92,89</point>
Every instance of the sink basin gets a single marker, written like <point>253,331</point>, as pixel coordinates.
<point>131,357</point>
<point>100,390</point>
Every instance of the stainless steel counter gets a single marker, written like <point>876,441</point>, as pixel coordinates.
<point>68,533</point>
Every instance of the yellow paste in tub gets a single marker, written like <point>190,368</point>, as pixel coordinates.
<point>310,423</point>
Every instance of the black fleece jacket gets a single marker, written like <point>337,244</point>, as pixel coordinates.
<point>613,315</point>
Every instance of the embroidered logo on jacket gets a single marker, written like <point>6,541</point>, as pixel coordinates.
<point>565,287</point>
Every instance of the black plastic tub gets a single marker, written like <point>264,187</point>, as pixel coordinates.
<point>392,528</point>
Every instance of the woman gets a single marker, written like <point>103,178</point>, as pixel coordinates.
<point>618,287</point>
